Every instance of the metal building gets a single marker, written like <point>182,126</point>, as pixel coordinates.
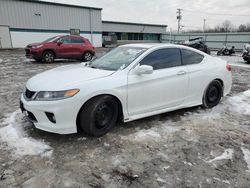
<point>34,21</point>
<point>133,32</point>
<point>28,21</point>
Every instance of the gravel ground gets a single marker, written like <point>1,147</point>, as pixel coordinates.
<point>192,147</point>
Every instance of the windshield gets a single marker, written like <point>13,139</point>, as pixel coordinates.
<point>52,39</point>
<point>119,57</point>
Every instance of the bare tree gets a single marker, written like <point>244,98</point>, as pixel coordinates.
<point>226,26</point>
<point>242,28</point>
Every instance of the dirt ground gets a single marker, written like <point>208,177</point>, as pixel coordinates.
<point>192,147</point>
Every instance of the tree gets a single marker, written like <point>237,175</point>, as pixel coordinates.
<point>248,27</point>
<point>227,26</point>
<point>242,28</point>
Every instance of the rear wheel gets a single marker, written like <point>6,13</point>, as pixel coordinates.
<point>213,94</point>
<point>99,115</point>
<point>48,57</point>
<point>87,56</point>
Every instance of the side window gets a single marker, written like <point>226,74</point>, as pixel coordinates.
<point>77,40</point>
<point>65,40</point>
<point>189,57</point>
<point>163,58</point>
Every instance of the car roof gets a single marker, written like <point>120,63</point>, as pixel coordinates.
<point>162,45</point>
<point>79,36</point>
<point>143,45</point>
<point>152,45</point>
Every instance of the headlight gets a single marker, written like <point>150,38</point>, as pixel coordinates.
<point>38,46</point>
<point>55,95</point>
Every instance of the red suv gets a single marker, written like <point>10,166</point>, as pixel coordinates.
<point>61,47</point>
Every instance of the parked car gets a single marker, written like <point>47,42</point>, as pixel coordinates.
<point>61,47</point>
<point>226,51</point>
<point>128,83</point>
<point>246,53</point>
<point>198,43</point>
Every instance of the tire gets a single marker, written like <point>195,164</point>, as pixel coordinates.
<point>213,94</point>
<point>87,56</point>
<point>48,57</point>
<point>208,51</point>
<point>98,116</point>
<point>219,53</point>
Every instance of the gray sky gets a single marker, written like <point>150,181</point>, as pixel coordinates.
<point>164,11</point>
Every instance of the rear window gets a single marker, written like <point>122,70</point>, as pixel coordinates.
<point>189,57</point>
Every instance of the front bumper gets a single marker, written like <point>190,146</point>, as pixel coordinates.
<point>33,53</point>
<point>65,112</point>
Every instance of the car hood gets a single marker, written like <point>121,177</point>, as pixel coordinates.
<point>65,77</point>
<point>34,44</point>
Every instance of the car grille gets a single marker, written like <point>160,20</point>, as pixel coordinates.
<point>29,94</point>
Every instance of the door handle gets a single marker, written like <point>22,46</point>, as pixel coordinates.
<point>181,73</point>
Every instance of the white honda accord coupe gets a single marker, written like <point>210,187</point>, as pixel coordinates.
<point>128,83</point>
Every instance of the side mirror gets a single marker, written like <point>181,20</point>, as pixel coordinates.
<point>144,69</point>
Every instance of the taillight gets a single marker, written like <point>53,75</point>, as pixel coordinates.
<point>229,68</point>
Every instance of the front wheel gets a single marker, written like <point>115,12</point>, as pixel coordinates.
<point>48,57</point>
<point>213,94</point>
<point>87,56</point>
<point>219,53</point>
<point>99,115</point>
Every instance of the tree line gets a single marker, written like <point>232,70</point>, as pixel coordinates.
<point>225,26</point>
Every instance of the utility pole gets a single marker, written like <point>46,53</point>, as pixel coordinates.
<point>179,17</point>
<point>204,25</point>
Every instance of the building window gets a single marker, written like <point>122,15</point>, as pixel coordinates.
<point>141,36</point>
<point>124,36</point>
<point>136,36</point>
<point>119,36</point>
<point>130,36</point>
<point>148,36</point>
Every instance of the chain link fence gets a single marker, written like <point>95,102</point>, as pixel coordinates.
<point>213,40</point>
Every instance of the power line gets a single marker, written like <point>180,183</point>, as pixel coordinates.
<point>218,14</point>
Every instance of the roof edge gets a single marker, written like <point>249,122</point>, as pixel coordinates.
<point>133,23</point>
<point>60,4</point>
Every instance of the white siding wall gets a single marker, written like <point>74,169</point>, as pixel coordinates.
<point>34,22</point>
<point>5,41</point>
<point>34,15</point>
